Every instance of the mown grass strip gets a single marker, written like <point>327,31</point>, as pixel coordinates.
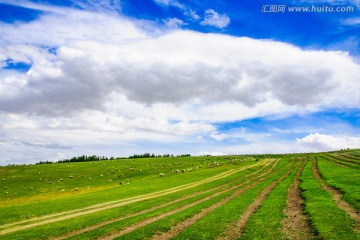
<point>346,180</point>
<point>327,219</point>
<point>129,229</point>
<point>355,215</point>
<point>345,159</point>
<point>229,212</point>
<point>340,162</point>
<point>81,222</point>
<point>166,223</point>
<point>191,221</point>
<point>351,157</point>
<point>147,210</point>
<point>185,224</point>
<point>92,187</point>
<point>296,224</point>
<point>100,207</point>
<point>236,230</point>
<point>354,156</point>
<point>271,221</point>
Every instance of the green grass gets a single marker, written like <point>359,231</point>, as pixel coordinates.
<point>347,158</point>
<point>230,212</point>
<point>166,223</point>
<point>341,162</point>
<point>23,196</point>
<point>126,191</point>
<point>329,221</point>
<point>347,180</point>
<point>265,223</point>
<point>146,181</point>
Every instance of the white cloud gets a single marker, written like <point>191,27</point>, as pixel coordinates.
<point>183,67</point>
<point>218,136</point>
<point>108,82</point>
<point>173,23</point>
<point>209,153</point>
<point>89,5</point>
<point>54,29</point>
<point>352,21</point>
<point>192,15</point>
<point>98,5</point>
<point>172,3</point>
<point>323,142</point>
<point>215,19</point>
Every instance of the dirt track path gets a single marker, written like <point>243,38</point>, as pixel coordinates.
<point>345,159</point>
<point>187,223</point>
<point>234,231</point>
<point>337,162</point>
<point>296,226</point>
<point>354,214</point>
<point>38,221</point>
<point>90,228</point>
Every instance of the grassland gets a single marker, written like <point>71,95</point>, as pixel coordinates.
<point>297,196</point>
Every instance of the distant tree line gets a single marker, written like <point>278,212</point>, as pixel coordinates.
<point>84,158</point>
<point>92,158</point>
<point>148,155</point>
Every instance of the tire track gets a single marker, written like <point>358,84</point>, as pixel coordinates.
<point>234,231</point>
<point>338,162</point>
<point>296,226</point>
<point>93,227</point>
<point>355,164</point>
<point>337,196</point>
<point>352,158</point>
<point>38,221</point>
<point>143,223</point>
<point>187,223</point>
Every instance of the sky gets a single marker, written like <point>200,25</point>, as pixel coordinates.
<point>120,77</point>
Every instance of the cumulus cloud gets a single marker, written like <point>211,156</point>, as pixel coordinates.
<point>89,5</point>
<point>352,21</point>
<point>218,136</point>
<point>53,29</point>
<point>96,5</point>
<point>177,68</point>
<point>323,142</point>
<point>173,22</point>
<point>98,79</point>
<point>172,3</point>
<point>215,19</point>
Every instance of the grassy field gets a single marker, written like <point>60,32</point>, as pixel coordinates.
<point>297,196</point>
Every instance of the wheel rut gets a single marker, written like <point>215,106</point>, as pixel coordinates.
<point>138,225</point>
<point>93,227</point>
<point>296,225</point>
<point>337,196</point>
<point>38,221</point>
<point>185,224</point>
<point>234,231</point>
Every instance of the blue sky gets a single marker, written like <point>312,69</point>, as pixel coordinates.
<point>118,77</point>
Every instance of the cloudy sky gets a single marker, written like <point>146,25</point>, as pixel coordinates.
<point>118,77</point>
